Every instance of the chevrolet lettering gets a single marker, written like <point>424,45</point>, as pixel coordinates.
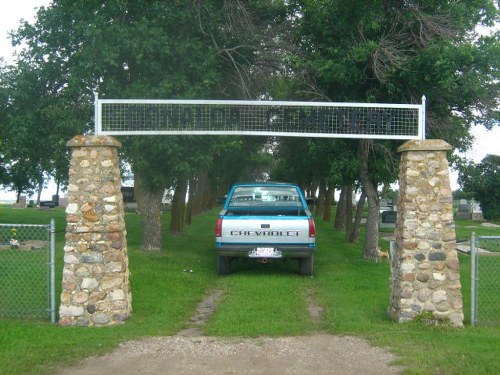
<point>276,233</point>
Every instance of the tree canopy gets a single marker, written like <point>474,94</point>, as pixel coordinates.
<point>483,181</point>
<point>397,51</point>
<point>330,50</point>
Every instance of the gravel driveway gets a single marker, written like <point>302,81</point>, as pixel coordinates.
<point>191,353</point>
<point>200,355</point>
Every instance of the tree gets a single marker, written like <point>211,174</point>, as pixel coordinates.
<point>483,180</point>
<point>379,51</point>
<point>370,189</point>
<point>354,235</point>
<point>152,49</point>
<point>396,51</point>
<point>3,120</point>
<point>34,133</point>
<point>123,50</point>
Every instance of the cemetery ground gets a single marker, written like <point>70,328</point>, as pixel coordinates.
<point>347,298</point>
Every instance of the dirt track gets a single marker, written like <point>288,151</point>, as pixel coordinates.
<point>197,355</point>
<point>191,353</point>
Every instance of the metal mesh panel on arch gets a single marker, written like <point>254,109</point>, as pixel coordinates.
<point>303,119</point>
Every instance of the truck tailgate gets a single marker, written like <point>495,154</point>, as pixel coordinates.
<point>262,230</point>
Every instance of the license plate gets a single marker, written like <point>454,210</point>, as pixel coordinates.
<point>264,252</point>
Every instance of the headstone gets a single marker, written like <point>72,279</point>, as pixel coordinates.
<point>63,201</point>
<point>47,204</point>
<point>389,218</point>
<point>21,203</point>
<point>477,212</point>
<point>383,204</point>
<point>463,211</point>
<point>463,205</point>
<point>128,194</point>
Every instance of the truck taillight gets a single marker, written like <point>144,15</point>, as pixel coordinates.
<point>218,228</point>
<point>312,228</point>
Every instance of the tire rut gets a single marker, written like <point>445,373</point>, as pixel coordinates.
<point>205,309</point>
<point>208,306</point>
<point>315,310</point>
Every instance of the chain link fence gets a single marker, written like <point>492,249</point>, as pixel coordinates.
<point>27,271</point>
<point>485,280</point>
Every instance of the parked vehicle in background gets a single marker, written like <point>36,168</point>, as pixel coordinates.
<point>265,221</point>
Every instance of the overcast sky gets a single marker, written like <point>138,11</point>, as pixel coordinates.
<point>11,12</point>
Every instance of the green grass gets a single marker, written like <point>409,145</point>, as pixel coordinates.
<point>259,300</point>
<point>464,228</point>
<point>260,303</point>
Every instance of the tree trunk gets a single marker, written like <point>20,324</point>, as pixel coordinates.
<point>348,211</point>
<point>190,206</point>
<point>370,188</point>
<point>340,214</point>
<point>178,208</point>
<point>354,235</point>
<point>207,198</point>
<point>320,207</point>
<point>149,204</point>
<point>198,197</point>
<point>40,188</point>
<point>327,211</point>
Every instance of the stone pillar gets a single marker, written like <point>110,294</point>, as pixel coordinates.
<point>95,282</point>
<point>425,274</point>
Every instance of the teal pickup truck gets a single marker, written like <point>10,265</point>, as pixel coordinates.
<point>265,221</point>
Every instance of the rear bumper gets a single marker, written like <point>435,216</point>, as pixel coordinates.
<point>243,251</point>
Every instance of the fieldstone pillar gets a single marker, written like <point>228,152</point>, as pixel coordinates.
<point>95,282</point>
<point>425,274</point>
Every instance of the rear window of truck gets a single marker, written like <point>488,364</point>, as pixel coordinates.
<point>265,196</point>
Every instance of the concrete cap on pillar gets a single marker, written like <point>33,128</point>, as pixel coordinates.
<point>425,145</point>
<point>93,141</point>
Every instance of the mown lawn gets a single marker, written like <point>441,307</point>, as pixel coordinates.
<point>259,300</point>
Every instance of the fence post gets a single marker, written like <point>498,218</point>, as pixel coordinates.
<point>473,280</point>
<point>52,271</point>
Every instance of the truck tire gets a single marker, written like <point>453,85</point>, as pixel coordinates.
<point>306,265</point>
<point>223,265</point>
